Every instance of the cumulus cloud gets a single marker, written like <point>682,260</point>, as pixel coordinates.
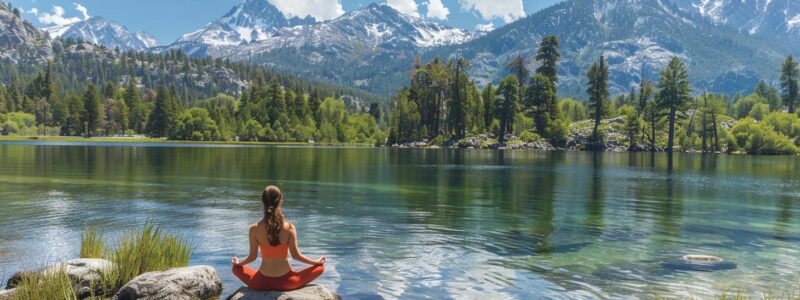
<point>437,10</point>
<point>485,27</point>
<point>407,7</point>
<point>319,9</point>
<point>57,18</point>
<point>34,11</point>
<point>508,10</point>
<point>83,10</point>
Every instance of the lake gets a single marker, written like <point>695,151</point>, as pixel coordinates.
<point>405,223</point>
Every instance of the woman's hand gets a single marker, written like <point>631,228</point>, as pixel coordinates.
<point>321,261</point>
<point>235,261</point>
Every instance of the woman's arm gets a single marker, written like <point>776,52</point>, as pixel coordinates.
<point>295,250</point>
<point>253,248</point>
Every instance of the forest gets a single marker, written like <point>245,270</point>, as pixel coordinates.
<point>176,97</point>
<point>442,106</point>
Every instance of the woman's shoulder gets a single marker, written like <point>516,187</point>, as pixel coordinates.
<point>288,225</point>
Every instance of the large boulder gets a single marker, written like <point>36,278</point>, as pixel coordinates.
<point>199,282</point>
<point>309,292</point>
<point>84,274</point>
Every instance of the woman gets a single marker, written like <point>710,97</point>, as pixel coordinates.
<point>276,238</point>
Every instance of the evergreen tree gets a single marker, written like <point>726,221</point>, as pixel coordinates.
<point>92,113</point>
<point>507,101</point>
<point>163,115</point>
<point>789,83</point>
<point>548,57</point>
<point>540,102</point>
<point>488,96</point>
<point>674,94</point>
<point>598,96</point>
<point>519,67</point>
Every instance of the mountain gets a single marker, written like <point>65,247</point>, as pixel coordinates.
<point>769,19</point>
<point>360,48</point>
<point>98,30</point>
<point>250,21</point>
<point>638,37</point>
<point>20,41</point>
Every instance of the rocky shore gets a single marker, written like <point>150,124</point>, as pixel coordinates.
<point>196,282</point>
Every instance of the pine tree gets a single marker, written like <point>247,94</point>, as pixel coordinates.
<point>488,96</point>
<point>598,96</point>
<point>674,94</point>
<point>789,83</point>
<point>92,113</point>
<point>163,115</point>
<point>507,101</point>
<point>539,102</point>
<point>548,57</point>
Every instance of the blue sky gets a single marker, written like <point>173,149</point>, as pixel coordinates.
<point>168,19</point>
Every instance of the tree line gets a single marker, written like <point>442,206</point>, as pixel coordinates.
<point>266,111</point>
<point>443,104</point>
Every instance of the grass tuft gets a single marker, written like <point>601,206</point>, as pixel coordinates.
<point>93,244</point>
<point>53,284</point>
<point>141,251</point>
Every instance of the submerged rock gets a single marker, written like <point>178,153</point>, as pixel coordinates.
<point>84,274</point>
<point>200,282</point>
<point>309,292</point>
<point>702,263</point>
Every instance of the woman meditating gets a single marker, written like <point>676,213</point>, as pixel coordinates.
<point>276,238</point>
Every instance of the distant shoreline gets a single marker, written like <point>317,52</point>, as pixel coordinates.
<point>132,140</point>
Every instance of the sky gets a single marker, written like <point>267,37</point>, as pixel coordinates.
<point>167,20</point>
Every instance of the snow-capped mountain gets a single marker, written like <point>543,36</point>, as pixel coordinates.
<point>765,18</point>
<point>100,31</point>
<point>370,39</point>
<point>250,21</point>
<point>638,38</point>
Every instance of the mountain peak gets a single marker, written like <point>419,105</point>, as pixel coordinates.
<point>247,22</point>
<point>98,30</point>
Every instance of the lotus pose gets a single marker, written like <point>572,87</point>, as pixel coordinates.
<point>276,238</point>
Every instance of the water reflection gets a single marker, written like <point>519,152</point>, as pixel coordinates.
<point>429,223</point>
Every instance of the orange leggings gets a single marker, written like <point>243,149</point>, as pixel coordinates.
<point>290,281</point>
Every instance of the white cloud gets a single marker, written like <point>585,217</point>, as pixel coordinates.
<point>508,10</point>
<point>407,7</point>
<point>485,27</point>
<point>83,10</point>
<point>57,17</point>
<point>437,10</point>
<point>34,11</point>
<point>319,9</point>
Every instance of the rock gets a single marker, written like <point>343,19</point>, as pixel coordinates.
<point>7,294</point>
<point>199,282</point>
<point>309,292</point>
<point>84,274</point>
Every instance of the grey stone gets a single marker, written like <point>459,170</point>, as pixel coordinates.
<point>309,292</point>
<point>7,294</point>
<point>199,282</point>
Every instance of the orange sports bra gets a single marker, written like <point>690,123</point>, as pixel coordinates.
<point>273,252</point>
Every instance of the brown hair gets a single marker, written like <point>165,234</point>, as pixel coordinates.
<point>273,217</point>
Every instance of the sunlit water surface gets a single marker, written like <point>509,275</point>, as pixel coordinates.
<point>426,223</point>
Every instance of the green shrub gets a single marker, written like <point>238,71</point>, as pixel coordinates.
<point>53,284</point>
<point>529,136</point>
<point>10,127</point>
<point>761,138</point>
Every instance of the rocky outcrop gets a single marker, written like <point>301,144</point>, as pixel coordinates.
<point>200,282</point>
<point>309,292</point>
<point>84,274</point>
